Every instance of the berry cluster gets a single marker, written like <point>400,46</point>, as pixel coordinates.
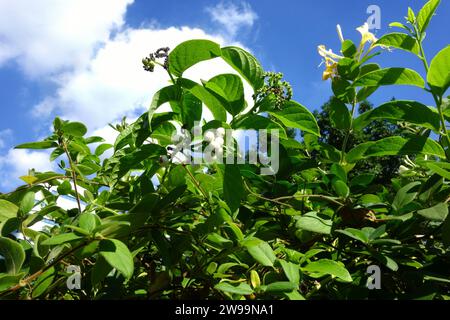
<point>150,61</point>
<point>273,85</point>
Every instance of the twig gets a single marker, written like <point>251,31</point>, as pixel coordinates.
<point>74,176</point>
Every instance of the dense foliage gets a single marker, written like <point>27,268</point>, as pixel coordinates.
<point>223,231</point>
<point>383,167</point>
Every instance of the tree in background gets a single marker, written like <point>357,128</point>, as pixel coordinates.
<point>383,167</point>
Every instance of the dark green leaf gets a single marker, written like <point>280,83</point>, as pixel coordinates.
<point>216,105</point>
<point>339,114</point>
<point>13,254</point>
<point>438,212</point>
<point>233,189</point>
<point>116,253</point>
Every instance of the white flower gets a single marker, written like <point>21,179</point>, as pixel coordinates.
<point>339,32</point>
<point>220,132</point>
<point>330,59</point>
<point>402,169</point>
<point>328,54</point>
<point>209,136</point>
<point>217,143</point>
<point>367,36</point>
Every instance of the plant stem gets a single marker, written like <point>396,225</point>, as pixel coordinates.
<point>74,175</point>
<point>264,198</point>
<point>437,99</point>
<point>349,131</point>
<point>318,196</point>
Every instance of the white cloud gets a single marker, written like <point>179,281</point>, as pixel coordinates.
<point>17,162</point>
<point>114,84</point>
<point>233,17</point>
<point>47,36</point>
<point>95,62</point>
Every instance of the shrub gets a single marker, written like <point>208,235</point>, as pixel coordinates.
<point>149,225</point>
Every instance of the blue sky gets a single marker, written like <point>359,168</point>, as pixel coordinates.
<point>80,59</point>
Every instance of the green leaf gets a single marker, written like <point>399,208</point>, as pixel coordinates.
<point>386,260</point>
<point>60,239</point>
<point>215,105</point>
<point>294,115</point>
<point>241,288</point>
<point>254,279</point>
<point>439,73</point>
<point>390,76</point>
<point>88,221</point>
<point>291,270</point>
<point>7,280</point>
<point>37,145</point>
<point>102,148</point>
<point>280,286</point>
<point>392,146</point>
<point>43,282</point>
<point>326,266</point>
<point>355,234</point>
<point>116,253</point>
<point>405,195</point>
<point>426,13</point>
<point>446,231</point>
<point>13,254</point>
<point>348,48</point>
<point>311,221</point>
<point>340,116</point>
<point>8,210</point>
<point>436,213</point>
<point>27,202</point>
<point>189,53</point>
<point>341,188</point>
<point>362,179</point>
<point>246,64</point>
<point>401,110</point>
<point>64,188</point>
<point>438,167</point>
<point>100,270</point>
<point>398,25</point>
<point>343,89</point>
<point>258,122</point>
<point>76,129</point>
<point>233,188</point>
<point>171,93</point>
<point>260,251</point>
<point>230,88</point>
<point>188,109</point>
<point>400,41</point>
